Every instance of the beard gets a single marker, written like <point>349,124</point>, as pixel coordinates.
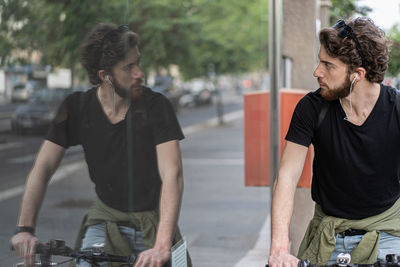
<point>339,92</point>
<point>133,93</point>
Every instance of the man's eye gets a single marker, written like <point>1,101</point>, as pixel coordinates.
<point>127,68</point>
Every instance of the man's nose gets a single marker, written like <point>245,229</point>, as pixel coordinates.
<point>317,72</point>
<point>138,73</point>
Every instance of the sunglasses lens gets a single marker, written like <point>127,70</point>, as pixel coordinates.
<point>339,24</point>
<point>123,28</point>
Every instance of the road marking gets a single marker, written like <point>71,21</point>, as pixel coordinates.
<point>208,161</point>
<point>31,157</point>
<point>23,159</point>
<point>65,170</point>
<point>10,145</point>
<point>61,173</point>
<point>258,255</point>
<point>6,115</point>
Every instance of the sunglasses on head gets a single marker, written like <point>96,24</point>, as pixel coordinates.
<point>346,31</point>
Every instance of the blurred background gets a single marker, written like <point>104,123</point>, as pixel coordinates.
<point>204,55</point>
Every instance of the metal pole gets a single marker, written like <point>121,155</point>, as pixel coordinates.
<point>220,109</point>
<point>274,70</point>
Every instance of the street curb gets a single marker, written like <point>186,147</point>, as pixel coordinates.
<point>258,255</point>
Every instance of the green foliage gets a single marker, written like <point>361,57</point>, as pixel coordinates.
<point>233,36</point>
<point>344,9</point>
<point>230,34</point>
<point>394,64</point>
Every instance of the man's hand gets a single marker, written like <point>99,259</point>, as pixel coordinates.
<point>282,259</point>
<point>155,257</point>
<point>24,244</point>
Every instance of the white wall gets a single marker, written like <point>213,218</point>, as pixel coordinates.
<point>59,78</point>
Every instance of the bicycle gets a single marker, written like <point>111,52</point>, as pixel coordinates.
<point>94,255</point>
<point>343,260</point>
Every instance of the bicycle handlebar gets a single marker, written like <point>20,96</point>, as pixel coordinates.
<point>392,260</point>
<point>93,255</point>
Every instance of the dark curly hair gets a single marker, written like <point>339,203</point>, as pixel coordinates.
<point>104,47</point>
<point>374,44</point>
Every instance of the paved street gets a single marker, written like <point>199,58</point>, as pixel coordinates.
<point>220,217</point>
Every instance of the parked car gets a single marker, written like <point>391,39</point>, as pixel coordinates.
<point>165,86</point>
<point>23,91</point>
<point>197,93</point>
<point>37,114</point>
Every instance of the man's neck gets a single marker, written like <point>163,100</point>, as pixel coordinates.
<point>113,105</point>
<point>109,98</point>
<point>363,99</point>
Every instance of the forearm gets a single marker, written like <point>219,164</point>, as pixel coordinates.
<point>34,193</point>
<point>282,208</point>
<point>170,201</point>
<point>46,163</point>
<point>290,169</point>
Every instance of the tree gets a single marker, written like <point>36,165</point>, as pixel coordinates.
<point>166,29</point>
<point>18,24</point>
<point>233,36</point>
<point>343,9</point>
<point>56,28</point>
<point>230,34</point>
<point>394,64</point>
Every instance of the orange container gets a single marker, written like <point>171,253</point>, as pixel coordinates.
<point>257,135</point>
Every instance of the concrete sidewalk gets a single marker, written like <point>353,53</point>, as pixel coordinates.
<point>221,218</point>
<point>223,221</point>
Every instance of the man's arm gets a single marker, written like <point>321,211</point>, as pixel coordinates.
<point>170,168</point>
<point>47,161</point>
<point>290,169</point>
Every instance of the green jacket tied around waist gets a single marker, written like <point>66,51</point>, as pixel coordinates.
<point>115,243</point>
<point>319,240</point>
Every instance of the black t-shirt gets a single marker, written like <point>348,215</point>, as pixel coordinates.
<point>115,152</point>
<point>356,169</point>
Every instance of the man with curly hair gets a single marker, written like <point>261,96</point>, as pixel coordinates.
<point>353,122</point>
<point>130,136</point>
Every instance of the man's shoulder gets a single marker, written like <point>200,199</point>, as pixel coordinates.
<point>148,93</point>
<point>390,91</point>
<point>75,96</point>
<point>79,99</point>
<point>313,98</point>
<point>315,95</point>
<point>151,97</point>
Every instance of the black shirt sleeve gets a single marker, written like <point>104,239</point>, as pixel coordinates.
<point>64,127</point>
<point>165,125</point>
<point>304,120</point>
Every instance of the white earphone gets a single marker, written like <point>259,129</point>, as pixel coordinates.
<point>108,80</point>
<point>355,78</point>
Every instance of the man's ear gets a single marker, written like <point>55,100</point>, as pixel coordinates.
<point>102,75</point>
<point>361,73</point>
